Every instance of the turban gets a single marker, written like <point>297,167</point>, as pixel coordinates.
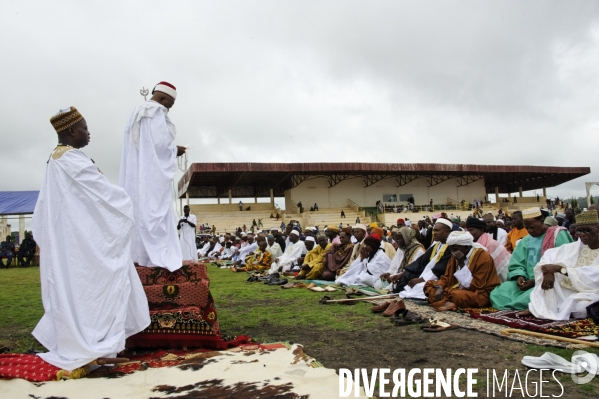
<point>377,230</point>
<point>445,222</point>
<point>360,226</point>
<point>295,232</point>
<point>475,223</point>
<point>346,230</point>
<point>65,118</point>
<point>460,238</point>
<point>166,88</point>
<point>374,241</point>
<point>401,221</point>
<point>333,228</point>
<point>549,221</point>
<point>531,213</point>
<point>587,218</point>
<point>310,238</point>
<point>373,224</point>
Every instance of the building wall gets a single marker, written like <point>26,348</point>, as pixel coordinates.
<point>317,190</point>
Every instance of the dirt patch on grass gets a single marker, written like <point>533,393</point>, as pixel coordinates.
<point>389,346</point>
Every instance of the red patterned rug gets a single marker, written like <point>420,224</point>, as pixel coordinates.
<point>569,329</point>
<point>182,310</point>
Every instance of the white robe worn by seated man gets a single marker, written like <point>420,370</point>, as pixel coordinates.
<point>148,166</point>
<point>570,294</point>
<point>292,252</point>
<point>394,267</point>
<point>245,251</point>
<point>366,272</point>
<point>187,238</point>
<point>92,296</point>
<point>417,291</point>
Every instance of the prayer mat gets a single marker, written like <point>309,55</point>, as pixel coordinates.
<point>249,371</point>
<point>182,310</point>
<point>569,329</point>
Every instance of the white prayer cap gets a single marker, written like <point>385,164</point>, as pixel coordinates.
<point>445,222</point>
<point>167,88</point>
<point>222,239</point>
<point>460,238</point>
<point>361,226</point>
<point>259,231</point>
<point>500,221</point>
<point>274,228</point>
<point>310,238</point>
<point>295,232</point>
<point>244,234</point>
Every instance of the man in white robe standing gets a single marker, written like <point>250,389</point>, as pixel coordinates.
<point>567,277</point>
<point>148,166</point>
<point>92,297</point>
<point>187,236</point>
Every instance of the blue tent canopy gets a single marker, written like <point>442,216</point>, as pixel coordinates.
<point>18,202</point>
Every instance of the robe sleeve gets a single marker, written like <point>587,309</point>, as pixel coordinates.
<point>447,277</point>
<point>563,237</point>
<point>517,266</point>
<point>440,267</point>
<point>484,274</point>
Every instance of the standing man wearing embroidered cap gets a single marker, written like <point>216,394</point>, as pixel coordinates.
<point>148,165</point>
<point>93,299</point>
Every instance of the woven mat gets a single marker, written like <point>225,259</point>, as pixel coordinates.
<point>465,321</point>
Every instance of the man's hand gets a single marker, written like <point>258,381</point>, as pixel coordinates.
<point>363,253</point>
<point>395,277</point>
<point>385,276</point>
<point>180,150</point>
<point>438,294</point>
<point>524,284</point>
<point>306,268</point>
<point>551,269</point>
<point>548,281</point>
<point>415,281</point>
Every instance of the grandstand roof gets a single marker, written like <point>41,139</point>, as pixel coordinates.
<point>246,180</point>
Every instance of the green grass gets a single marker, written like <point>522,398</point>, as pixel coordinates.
<point>20,306</point>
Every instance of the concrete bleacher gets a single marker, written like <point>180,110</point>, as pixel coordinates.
<point>326,216</point>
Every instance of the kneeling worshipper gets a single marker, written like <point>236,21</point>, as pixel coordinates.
<point>187,235</point>
<point>294,250</point>
<point>259,260</point>
<point>567,278</point>
<point>92,295</point>
<point>408,250</point>
<point>367,268</point>
<point>312,265</point>
<point>501,257</point>
<point>386,246</point>
<point>515,292</point>
<point>273,247</point>
<point>337,256</point>
<point>469,277</point>
<point>430,266</point>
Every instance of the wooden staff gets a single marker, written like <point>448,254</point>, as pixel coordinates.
<point>509,331</point>
<point>369,298</point>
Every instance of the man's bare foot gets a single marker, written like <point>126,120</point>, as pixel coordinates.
<point>447,306</point>
<point>524,313</point>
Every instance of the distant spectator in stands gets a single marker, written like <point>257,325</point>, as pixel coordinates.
<point>282,227</point>
<point>240,206</point>
<point>7,248</point>
<point>27,250</point>
<point>358,220</point>
<point>569,219</point>
<point>277,216</point>
<point>254,224</point>
<point>315,206</point>
<point>272,216</point>
<point>342,214</point>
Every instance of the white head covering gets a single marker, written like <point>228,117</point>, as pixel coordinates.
<point>310,238</point>
<point>445,222</point>
<point>361,226</point>
<point>295,232</point>
<point>244,234</point>
<point>222,239</point>
<point>462,238</point>
<point>501,221</point>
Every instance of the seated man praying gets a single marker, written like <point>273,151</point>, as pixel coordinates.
<point>469,277</point>
<point>367,268</point>
<point>312,265</point>
<point>337,256</point>
<point>567,278</point>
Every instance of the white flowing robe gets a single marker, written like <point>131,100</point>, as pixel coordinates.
<point>417,291</point>
<point>394,267</point>
<point>366,272</point>
<point>92,297</point>
<point>292,252</point>
<point>570,294</point>
<point>187,238</point>
<point>275,250</point>
<point>148,166</point>
<point>245,251</point>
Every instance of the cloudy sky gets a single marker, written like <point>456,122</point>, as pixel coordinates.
<point>478,82</point>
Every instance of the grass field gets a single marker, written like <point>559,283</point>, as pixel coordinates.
<point>337,335</point>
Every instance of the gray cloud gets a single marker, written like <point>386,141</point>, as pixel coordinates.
<point>493,82</point>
